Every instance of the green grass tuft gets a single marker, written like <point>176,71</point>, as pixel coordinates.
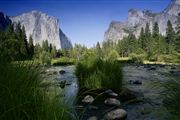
<point>22,98</point>
<point>99,74</point>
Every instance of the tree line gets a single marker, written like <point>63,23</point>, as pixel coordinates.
<point>15,46</point>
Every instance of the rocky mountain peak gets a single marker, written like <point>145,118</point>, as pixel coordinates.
<point>43,27</point>
<point>138,19</point>
<point>173,7</point>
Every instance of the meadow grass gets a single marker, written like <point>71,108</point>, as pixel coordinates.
<point>99,74</point>
<point>63,61</point>
<point>22,96</point>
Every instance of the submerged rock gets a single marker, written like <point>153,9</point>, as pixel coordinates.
<point>112,102</point>
<point>152,68</point>
<point>88,99</point>
<point>136,82</point>
<point>92,107</point>
<point>62,84</point>
<point>117,114</point>
<point>62,72</point>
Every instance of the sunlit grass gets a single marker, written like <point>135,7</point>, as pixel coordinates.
<point>98,73</point>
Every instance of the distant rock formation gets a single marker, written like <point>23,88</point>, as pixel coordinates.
<point>138,19</point>
<point>43,27</point>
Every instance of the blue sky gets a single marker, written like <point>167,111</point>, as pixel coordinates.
<point>83,21</point>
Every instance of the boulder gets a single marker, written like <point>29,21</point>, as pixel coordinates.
<point>117,114</point>
<point>88,99</point>
<point>110,93</point>
<point>92,118</point>
<point>112,102</point>
<point>62,72</point>
<point>92,107</point>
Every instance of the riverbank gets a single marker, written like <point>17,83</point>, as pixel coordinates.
<point>145,102</point>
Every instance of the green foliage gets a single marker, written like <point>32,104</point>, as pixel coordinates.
<point>112,55</point>
<point>78,51</point>
<point>170,36</point>
<point>170,93</point>
<point>22,98</point>
<point>138,58</point>
<point>45,45</point>
<point>155,32</point>
<point>177,38</point>
<point>45,58</point>
<point>142,39</point>
<point>31,47</point>
<point>99,52</point>
<point>98,73</point>
<point>63,61</point>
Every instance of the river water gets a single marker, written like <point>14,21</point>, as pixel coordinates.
<point>137,111</point>
<point>71,88</point>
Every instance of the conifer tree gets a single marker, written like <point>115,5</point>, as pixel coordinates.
<point>31,47</point>
<point>142,39</point>
<point>98,50</point>
<point>170,36</point>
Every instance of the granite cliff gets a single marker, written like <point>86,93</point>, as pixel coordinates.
<point>138,19</point>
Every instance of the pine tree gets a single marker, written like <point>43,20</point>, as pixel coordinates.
<point>170,36</point>
<point>132,43</point>
<point>31,47</point>
<point>54,51</point>
<point>155,30</point>
<point>45,45</point>
<point>25,41</point>
<point>177,40</point>
<point>147,36</point>
<point>21,36</point>
<point>98,50</point>
<point>142,39</point>
<point>50,47</point>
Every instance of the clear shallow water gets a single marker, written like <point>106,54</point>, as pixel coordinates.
<point>70,90</point>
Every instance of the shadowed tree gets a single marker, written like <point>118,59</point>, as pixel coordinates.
<point>170,36</point>
<point>31,47</point>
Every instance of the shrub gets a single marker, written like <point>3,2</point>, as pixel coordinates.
<point>99,73</point>
<point>138,58</point>
<point>45,58</point>
<point>112,55</point>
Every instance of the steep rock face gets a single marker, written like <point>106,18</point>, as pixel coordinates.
<point>43,27</point>
<point>138,19</point>
<point>4,21</point>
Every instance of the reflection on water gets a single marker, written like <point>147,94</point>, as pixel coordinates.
<point>71,88</point>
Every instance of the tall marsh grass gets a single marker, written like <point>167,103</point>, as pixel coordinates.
<point>21,97</point>
<point>99,74</point>
<point>170,95</point>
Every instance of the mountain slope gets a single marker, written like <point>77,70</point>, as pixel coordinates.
<point>138,19</point>
<point>43,27</point>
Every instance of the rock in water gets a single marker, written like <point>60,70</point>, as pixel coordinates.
<point>88,99</point>
<point>138,19</point>
<point>112,102</point>
<point>43,27</point>
<point>117,114</point>
<point>110,93</point>
<point>62,72</point>
<point>92,118</point>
